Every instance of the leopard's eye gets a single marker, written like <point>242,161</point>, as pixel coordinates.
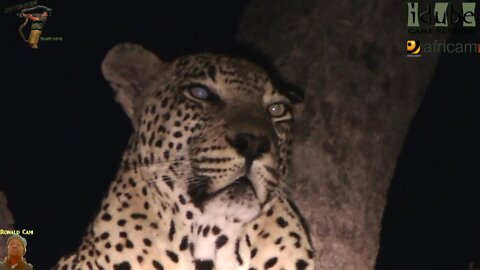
<point>199,92</point>
<point>277,109</point>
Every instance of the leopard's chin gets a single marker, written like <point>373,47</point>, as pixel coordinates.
<point>237,202</point>
<point>240,188</point>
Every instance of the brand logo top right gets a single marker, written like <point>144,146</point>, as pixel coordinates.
<point>440,15</point>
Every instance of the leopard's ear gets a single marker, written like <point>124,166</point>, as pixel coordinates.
<point>131,70</point>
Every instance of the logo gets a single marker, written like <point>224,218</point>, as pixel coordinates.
<point>443,15</point>
<point>31,28</point>
<point>38,16</point>
<point>441,18</point>
<point>413,48</point>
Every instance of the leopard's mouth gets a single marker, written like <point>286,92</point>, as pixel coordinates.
<point>244,180</point>
<point>243,183</point>
<point>199,194</point>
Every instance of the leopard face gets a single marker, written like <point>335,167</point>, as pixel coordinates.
<point>201,183</point>
<point>221,125</point>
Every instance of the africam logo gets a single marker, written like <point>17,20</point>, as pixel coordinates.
<point>413,48</point>
<point>441,46</point>
<point>38,16</point>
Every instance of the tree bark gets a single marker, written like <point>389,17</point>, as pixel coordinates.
<point>361,93</point>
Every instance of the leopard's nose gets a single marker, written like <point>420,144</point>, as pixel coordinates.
<point>250,146</point>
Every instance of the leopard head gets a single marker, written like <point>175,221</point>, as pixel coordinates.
<point>218,124</point>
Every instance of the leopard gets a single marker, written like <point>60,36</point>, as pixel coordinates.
<point>202,183</point>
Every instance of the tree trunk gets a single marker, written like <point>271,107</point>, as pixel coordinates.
<point>361,93</point>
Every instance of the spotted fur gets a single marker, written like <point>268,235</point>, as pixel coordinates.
<point>201,183</point>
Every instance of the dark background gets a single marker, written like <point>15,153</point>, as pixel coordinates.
<point>63,135</point>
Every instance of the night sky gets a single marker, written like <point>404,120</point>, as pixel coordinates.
<point>63,135</point>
